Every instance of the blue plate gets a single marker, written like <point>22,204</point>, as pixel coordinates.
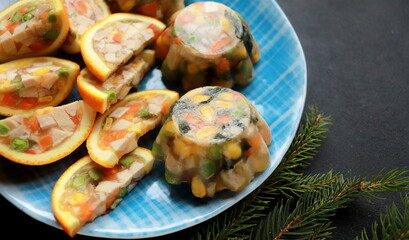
<point>154,207</point>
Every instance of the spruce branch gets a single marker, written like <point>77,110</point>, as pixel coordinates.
<point>324,195</point>
<point>237,221</point>
<point>394,224</point>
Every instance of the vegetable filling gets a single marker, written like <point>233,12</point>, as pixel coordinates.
<point>30,29</point>
<point>34,85</point>
<point>39,132</point>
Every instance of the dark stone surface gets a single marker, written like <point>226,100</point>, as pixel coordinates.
<point>357,54</point>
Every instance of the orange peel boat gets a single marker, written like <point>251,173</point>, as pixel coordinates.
<point>31,28</point>
<point>86,190</point>
<point>117,131</point>
<point>111,42</point>
<point>47,135</point>
<point>31,83</point>
<point>82,14</point>
<point>101,95</point>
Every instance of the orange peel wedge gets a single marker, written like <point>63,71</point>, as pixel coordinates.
<point>54,79</point>
<point>82,15</point>
<point>32,30</point>
<point>101,95</point>
<point>117,131</point>
<point>107,45</point>
<point>31,148</point>
<point>87,190</point>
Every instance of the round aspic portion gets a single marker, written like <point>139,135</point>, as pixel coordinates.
<point>215,139</point>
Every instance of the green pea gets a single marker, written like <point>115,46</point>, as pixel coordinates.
<point>115,203</point>
<point>27,17</point>
<point>127,161</point>
<point>208,169</point>
<point>17,17</point>
<point>144,113</point>
<point>215,153</point>
<point>63,72</point>
<point>95,174</point>
<point>52,17</point>
<point>79,181</point>
<point>111,95</point>
<point>4,129</point>
<point>20,144</point>
<point>123,192</point>
<point>156,150</point>
<point>170,178</point>
<point>51,34</point>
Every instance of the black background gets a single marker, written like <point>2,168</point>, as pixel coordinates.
<point>357,54</point>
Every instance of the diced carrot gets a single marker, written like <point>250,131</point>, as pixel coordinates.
<point>11,26</point>
<point>23,10</point>
<point>118,37</point>
<point>133,109</point>
<point>223,65</point>
<point>111,136</point>
<point>37,45</point>
<point>44,16</point>
<point>28,103</point>
<point>8,99</point>
<point>224,119</point>
<point>75,119</point>
<point>149,9</point>
<point>255,140</point>
<point>86,211</point>
<point>32,123</point>
<point>110,173</point>
<point>46,142</point>
<point>165,107</point>
<point>81,6</point>
<point>221,43</point>
<point>186,18</point>
<point>194,121</point>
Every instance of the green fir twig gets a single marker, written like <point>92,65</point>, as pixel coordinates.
<point>310,216</point>
<point>237,221</point>
<point>290,205</point>
<point>394,224</point>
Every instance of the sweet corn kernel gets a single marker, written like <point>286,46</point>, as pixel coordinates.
<point>77,198</point>
<point>207,132</point>
<point>226,96</point>
<point>45,99</point>
<point>241,52</point>
<point>40,71</point>
<point>200,98</point>
<point>108,123</point>
<point>207,112</point>
<point>138,128</point>
<point>180,148</point>
<point>170,128</point>
<point>4,82</point>
<point>224,104</point>
<point>232,150</point>
<point>198,187</point>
